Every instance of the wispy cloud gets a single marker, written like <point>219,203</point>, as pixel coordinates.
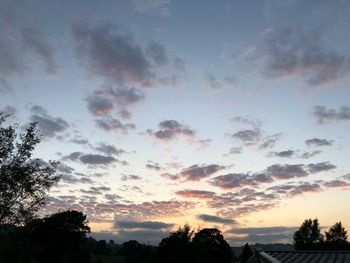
<point>216,219</point>
<point>49,126</point>
<point>171,129</point>
<point>325,115</point>
<point>294,51</point>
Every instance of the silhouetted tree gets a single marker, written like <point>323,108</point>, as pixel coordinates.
<point>59,237</point>
<point>24,181</point>
<point>308,236</point>
<point>337,233</point>
<point>137,253</point>
<point>209,246</point>
<point>176,248</point>
<point>130,248</point>
<point>336,238</point>
<point>247,253</point>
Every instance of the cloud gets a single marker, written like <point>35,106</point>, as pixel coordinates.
<point>99,106</point>
<point>5,87</point>
<point>34,42</point>
<point>284,154</point>
<point>158,7</point>
<point>79,140</point>
<point>49,126</point>
<point>293,189</point>
<point>271,173</point>
<point>248,136</point>
<point>112,54</point>
<point>306,155</point>
<point>20,42</point>
<point>255,123</point>
<point>320,167</point>
<point>73,179</point>
<point>204,143</point>
<point>325,115</point>
<point>337,184</point>
<point>254,137</point>
<point>74,156</point>
<point>122,96</point>
<point>262,230</point>
<point>153,166</point>
<point>286,171</point>
<point>157,53</point>
<point>156,209</point>
<point>108,149</point>
<point>232,181</point>
<point>215,84</point>
<point>171,129</point>
<point>130,177</point>
<point>237,180</point>
<point>141,225</point>
<point>109,123</point>
<point>294,154</point>
<point>95,190</point>
<point>305,187</point>
<point>234,150</point>
<point>216,219</point>
<point>200,194</point>
<point>96,159</point>
<point>197,172</point>
<point>269,141</point>
<point>90,159</point>
<point>246,209</point>
<point>265,235</point>
<point>318,142</point>
<point>104,100</point>
<point>63,168</point>
<point>298,52</point>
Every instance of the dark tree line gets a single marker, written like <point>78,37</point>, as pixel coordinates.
<point>207,245</point>
<point>56,238</point>
<point>309,237</point>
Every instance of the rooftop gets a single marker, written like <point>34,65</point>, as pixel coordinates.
<point>305,256</point>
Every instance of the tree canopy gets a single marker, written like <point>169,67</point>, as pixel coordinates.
<point>24,180</point>
<point>308,235</point>
<point>337,233</point>
<point>210,246</point>
<point>176,247</point>
<point>55,238</point>
<point>206,246</point>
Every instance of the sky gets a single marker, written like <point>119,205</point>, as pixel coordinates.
<point>228,114</point>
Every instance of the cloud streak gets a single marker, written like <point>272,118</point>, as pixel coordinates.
<point>326,115</point>
<point>294,51</point>
<point>172,129</point>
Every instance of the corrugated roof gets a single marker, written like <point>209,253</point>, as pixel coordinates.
<point>310,256</point>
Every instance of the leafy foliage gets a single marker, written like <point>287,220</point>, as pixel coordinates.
<point>176,247</point>
<point>308,236</point>
<point>55,238</point>
<point>206,246</point>
<point>24,181</point>
<point>210,246</point>
<point>337,234</point>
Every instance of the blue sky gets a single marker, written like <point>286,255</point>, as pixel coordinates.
<point>233,114</point>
